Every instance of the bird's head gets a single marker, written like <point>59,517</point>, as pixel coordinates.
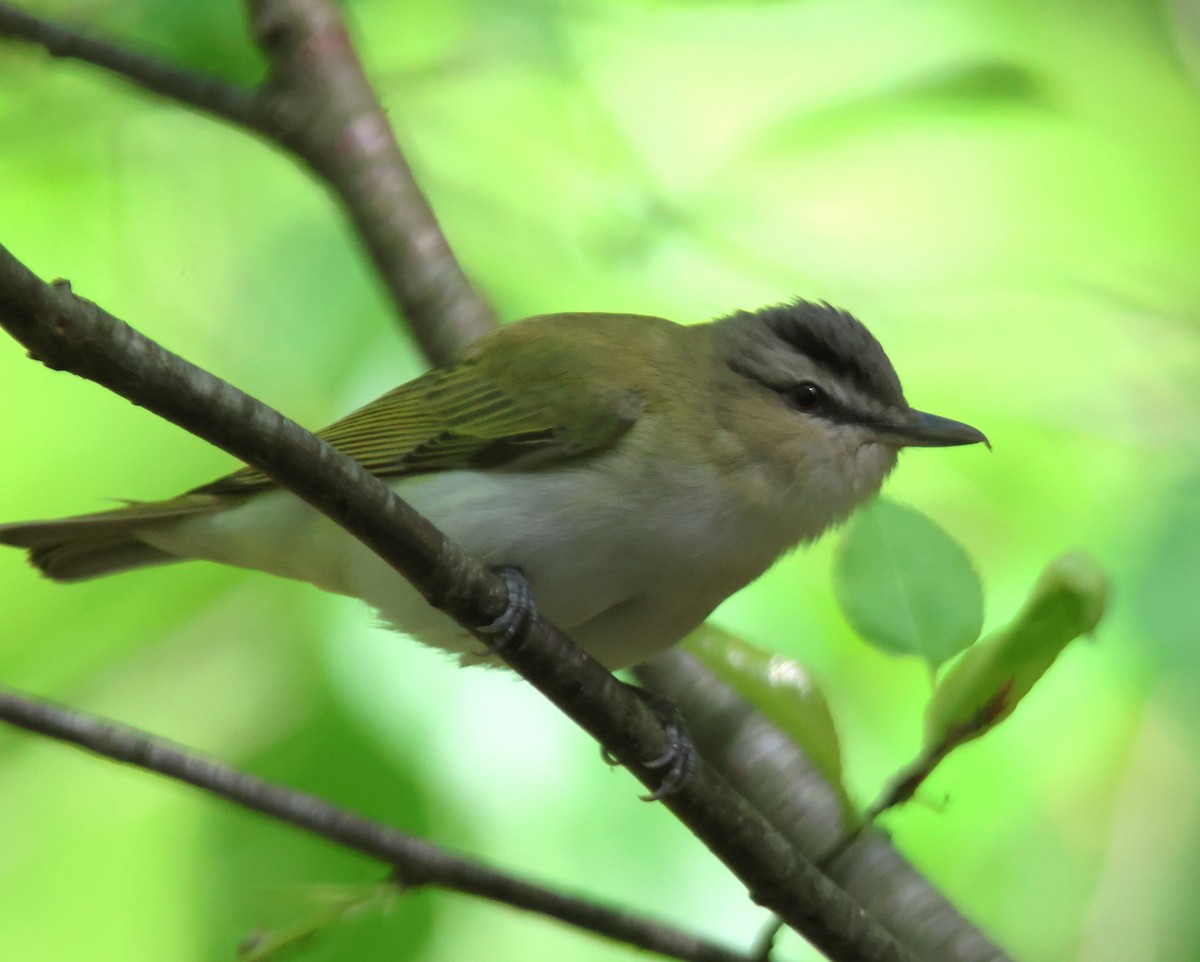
<point>825,402</point>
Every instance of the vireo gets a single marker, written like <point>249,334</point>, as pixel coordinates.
<point>637,471</point>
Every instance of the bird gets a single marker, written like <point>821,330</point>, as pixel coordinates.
<point>634,470</point>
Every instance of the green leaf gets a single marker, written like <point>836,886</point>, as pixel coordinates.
<point>781,690</point>
<point>905,585</point>
<point>983,687</point>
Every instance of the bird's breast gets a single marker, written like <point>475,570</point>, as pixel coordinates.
<point>594,535</point>
<point>626,553</point>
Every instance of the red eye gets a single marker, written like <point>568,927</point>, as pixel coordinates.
<point>805,397</point>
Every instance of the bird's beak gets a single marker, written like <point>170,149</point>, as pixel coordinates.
<point>915,429</point>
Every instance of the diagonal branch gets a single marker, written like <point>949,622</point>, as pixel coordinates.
<point>318,106</point>
<point>68,333</point>
<point>323,109</point>
<point>772,773</point>
<point>416,861</point>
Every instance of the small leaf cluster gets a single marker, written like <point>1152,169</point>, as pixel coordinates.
<point>908,588</point>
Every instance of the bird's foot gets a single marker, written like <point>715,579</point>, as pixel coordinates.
<point>518,612</point>
<point>679,755</point>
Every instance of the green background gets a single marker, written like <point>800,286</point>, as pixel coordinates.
<point>1006,191</point>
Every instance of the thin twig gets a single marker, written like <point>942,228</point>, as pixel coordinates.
<point>68,333</point>
<point>211,95</point>
<point>416,861</point>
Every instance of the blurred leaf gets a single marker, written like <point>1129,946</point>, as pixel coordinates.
<point>781,690</point>
<point>983,687</point>
<point>1163,594</point>
<point>264,945</point>
<point>209,35</point>
<point>978,86</point>
<point>969,91</point>
<point>905,585</point>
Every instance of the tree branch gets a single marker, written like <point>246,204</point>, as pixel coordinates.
<point>326,112</point>
<point>416,862</point>
<point>317,105</point>
<point>210,95</point>
<point>777,779</point>
<point>68,333</point>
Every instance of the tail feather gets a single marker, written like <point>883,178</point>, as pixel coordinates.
<point>93,545</point>
<point>81,560</point>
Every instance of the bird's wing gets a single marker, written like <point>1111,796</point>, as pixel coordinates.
<point>454,418</point>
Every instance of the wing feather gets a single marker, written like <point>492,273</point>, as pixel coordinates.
<point>460,417</point>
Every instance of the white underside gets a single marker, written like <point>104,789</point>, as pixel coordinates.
<point>624,574</point>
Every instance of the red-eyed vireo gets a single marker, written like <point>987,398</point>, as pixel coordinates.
<point>637,471</point>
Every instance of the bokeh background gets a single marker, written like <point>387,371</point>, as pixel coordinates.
<point>1007,191</point>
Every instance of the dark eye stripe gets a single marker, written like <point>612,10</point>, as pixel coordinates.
<point>829,408</point>
<point>838,343</point>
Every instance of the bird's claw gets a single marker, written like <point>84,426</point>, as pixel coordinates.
<point>678,759</point>
<point>519,611</point>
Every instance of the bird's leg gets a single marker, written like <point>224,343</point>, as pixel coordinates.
<point>519,610</point>
<point>678,758</point>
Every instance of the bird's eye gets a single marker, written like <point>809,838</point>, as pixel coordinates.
<point>805,396</point>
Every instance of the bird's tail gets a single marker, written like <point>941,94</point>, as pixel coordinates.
<point>93,545</point>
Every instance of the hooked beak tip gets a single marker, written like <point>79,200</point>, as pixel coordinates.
<point>930,431</point>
